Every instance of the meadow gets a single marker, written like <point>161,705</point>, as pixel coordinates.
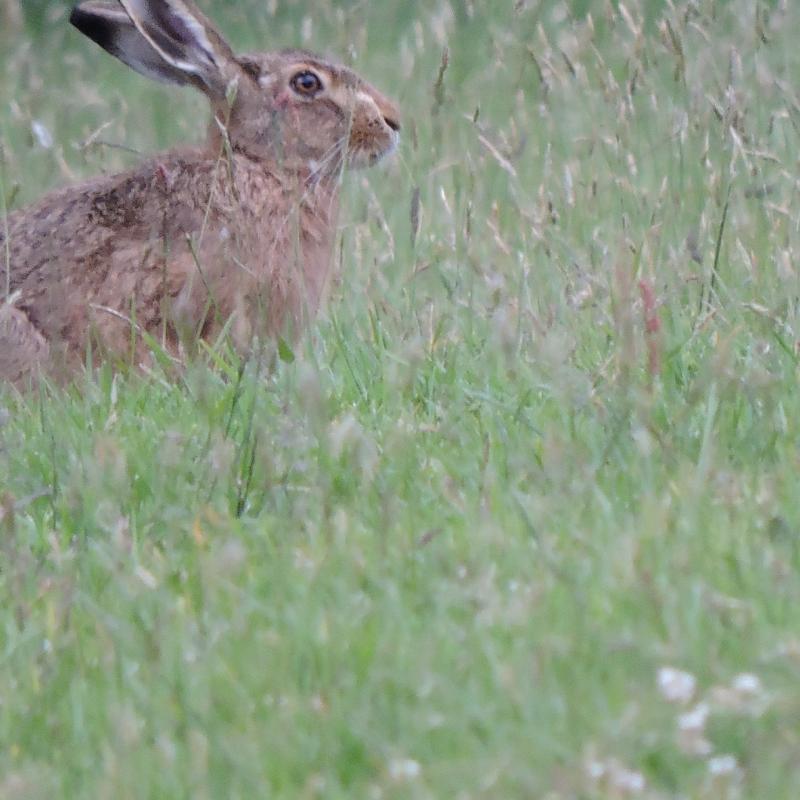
<point>519,517</point>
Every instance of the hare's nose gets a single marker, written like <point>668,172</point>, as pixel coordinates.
<point>392,122</point>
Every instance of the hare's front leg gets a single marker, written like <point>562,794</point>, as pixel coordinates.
<point>23,349</point>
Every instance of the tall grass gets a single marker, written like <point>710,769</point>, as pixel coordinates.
<point>519,517</point>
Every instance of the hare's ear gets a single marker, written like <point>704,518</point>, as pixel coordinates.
<point>166,39</point>
<point>108,25</point>
<point>187,41</point>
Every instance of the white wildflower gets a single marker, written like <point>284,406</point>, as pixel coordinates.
<point>404,769</point>
<point>747,684</point>
<point>744,695</point>
<point>724,768</point>
<point>676,685</point>
<point>627,781</point>
<point>691,737</point>
<point>616,777</point>
<point>596,770</point>
<point>694,720</point>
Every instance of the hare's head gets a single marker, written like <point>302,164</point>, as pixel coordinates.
<point>290,106</point>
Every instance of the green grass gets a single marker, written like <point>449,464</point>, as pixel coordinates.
<point>444,549</point>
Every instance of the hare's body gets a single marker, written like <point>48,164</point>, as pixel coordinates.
<point>244,246</point>
<point>237,235</point>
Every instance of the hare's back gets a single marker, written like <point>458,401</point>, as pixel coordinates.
<point>57,233</point>
<point>91,244</point>
<point>39,238</point>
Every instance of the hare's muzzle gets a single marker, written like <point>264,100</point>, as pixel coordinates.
<point>375,130</point>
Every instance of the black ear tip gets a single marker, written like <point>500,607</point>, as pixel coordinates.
<point>78,17</point>
<point>92,25</point>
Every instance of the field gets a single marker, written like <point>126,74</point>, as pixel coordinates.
<point>519,517</point>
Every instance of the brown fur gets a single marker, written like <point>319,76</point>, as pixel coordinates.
<point>238,233</point>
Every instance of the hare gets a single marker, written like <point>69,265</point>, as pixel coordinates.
<point>234,237</point>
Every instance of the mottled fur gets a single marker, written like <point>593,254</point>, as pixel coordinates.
<point>238,233</point>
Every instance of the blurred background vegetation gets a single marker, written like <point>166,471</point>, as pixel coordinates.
<point>540,452</point>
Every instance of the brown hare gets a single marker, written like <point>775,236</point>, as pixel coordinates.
<point>238,233</point>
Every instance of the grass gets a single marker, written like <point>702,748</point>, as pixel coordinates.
<point>448,545</point>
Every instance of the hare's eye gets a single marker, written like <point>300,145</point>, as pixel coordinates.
<point>307,83</point>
